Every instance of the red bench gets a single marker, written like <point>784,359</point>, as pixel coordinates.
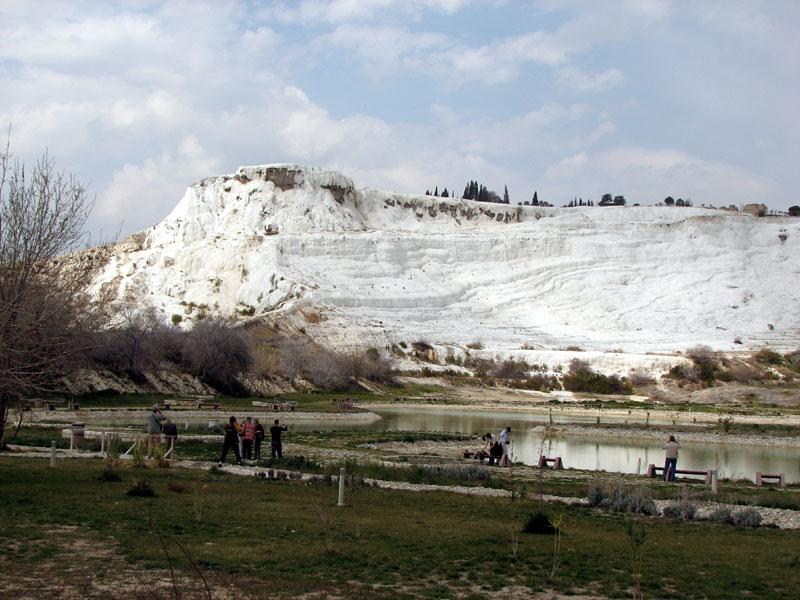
<point>544,462</point>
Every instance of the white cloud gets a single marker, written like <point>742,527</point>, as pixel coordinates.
<point>578,80</point>
<point>648,175</point>
<point>141,192</point>
<point>343,11</point>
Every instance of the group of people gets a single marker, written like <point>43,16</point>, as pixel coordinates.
<point>157,424</point>
<point>497,448</point>
<point>246,439</point>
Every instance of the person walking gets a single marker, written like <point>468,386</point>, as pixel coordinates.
<point>154,420</point>
<point>248,437</point>
<point>671,460</point>
<point>231,440</point>
<point>171,436</point>
<point>259,438</point>
<point>275,439</point>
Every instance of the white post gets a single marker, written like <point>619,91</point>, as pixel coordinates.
<point>71,440</point>
<point>102,442</point>
<point>52,454</point>
<point>341,487</point>
<point>639,466</point>
<point>714,482</point>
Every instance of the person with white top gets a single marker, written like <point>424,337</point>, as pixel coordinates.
<point>505,442</point>
<point>671,461</point>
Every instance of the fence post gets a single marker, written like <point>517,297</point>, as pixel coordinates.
<point>714,482</point>
<point>341,487</point>
<point>639,465</point>
<point>52,454</point>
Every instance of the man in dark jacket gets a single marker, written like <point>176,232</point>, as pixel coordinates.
<point>275,438</point>
<point>171,435</point>
<point>231,441</point>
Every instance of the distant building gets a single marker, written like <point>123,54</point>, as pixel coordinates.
<point>757,210</point>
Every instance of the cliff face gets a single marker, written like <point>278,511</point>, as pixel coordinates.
<point>358,266</point>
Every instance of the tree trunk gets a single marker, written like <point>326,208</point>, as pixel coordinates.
<point>5,402</point>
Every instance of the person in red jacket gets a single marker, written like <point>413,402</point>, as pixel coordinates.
<point>248,437</point>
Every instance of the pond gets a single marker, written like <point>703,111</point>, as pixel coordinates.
<point>581,452</point>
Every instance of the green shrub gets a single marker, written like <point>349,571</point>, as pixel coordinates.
<point>747,517</point>
<point>582,379</point>
<point>176,319</point>
<point>621,498</point>
<point>769,357</point>
<point>722,515</point>
<point>539,523</point>
<point>681,509</point>
<point>141,489</point>
<point>109,473</point>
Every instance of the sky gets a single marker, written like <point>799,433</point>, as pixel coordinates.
<point>645,98</point>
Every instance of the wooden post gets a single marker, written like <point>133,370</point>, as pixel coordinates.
<point>714,482</point>
<point>709,477</point>
<point>639,465</point>
<point>53,454</point>
<point>341,487</point>
<point>759,480</point>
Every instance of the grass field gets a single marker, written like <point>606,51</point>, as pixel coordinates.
<point>65,531</point>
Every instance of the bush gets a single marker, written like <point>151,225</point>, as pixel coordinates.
<point>769,357</point>
<point>538,523</point>
<point>141,488</point>
<point>511,369</point>
<point>109,473</point>
<point>582,379</point>
<point>747,517</point>
<point>621,498</point>
<point>681,509</point>
<point>597,493</point>
<point>218,354</point>
<point>722,516</point>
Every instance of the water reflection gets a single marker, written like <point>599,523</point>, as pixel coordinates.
<point>621,456</point>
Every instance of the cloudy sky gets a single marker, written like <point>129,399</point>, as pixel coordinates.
<point>645,98</point>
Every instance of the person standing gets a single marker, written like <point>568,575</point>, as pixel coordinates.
<point>275,439</point>
<point>171,436</point>
<point>154,420</point>
<point>248,437</point>
<point>671,461</point>
<point>231,440</point>
<point>259,438</point>
<point>505,442</point>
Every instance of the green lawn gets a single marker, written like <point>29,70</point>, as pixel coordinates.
<point>291,538</point>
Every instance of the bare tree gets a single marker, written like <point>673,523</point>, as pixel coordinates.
<point>218,354</point>
<point>43,304</point>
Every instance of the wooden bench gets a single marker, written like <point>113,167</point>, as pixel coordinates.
<point>653,471</point>
<point>544,462</point>
<point>780,477</point>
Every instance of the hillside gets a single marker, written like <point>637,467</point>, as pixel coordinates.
<point>360,266</point>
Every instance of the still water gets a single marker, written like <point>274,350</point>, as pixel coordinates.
<point>581,452</point>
